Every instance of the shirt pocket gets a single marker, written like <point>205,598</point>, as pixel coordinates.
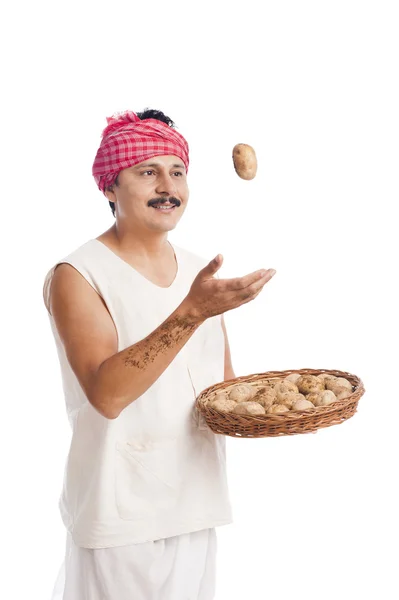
<point>149,477</point>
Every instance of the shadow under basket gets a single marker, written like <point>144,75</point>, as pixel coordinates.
<point>289,423</point>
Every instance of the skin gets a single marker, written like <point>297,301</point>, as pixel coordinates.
<point>110,379</point>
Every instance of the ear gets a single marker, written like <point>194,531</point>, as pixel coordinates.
<point>110,194</point>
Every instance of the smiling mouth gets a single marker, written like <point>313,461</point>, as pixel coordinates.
<point>164,204</point>
<point>164,207</point>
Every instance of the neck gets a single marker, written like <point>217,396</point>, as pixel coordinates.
<point>144,243</point>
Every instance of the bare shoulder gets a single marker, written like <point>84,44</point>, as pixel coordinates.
<point>83,322</point>
<point>67,284</point>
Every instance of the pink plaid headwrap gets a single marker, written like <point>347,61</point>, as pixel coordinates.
<point>128,140</point>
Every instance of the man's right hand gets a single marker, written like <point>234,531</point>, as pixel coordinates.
<point>209,296</point>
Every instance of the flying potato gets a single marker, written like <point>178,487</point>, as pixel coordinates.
<point>244,159</point>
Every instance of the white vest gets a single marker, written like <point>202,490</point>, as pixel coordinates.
<point>157,470</point>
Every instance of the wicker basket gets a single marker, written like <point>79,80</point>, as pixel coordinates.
<point>290,423</point>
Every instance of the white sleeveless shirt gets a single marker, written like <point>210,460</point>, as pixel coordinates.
<point>157,470</point>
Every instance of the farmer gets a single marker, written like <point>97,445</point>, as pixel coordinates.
<point>139,330</point>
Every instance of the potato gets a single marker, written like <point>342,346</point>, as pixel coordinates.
<point>284,387</point>
<point>309,383</point>
<point>266,402</point>
<point>249,408</point>
<point>244,159</point>
<point>273,382</point>
<point>302,405</point>
<point>289,398</point>
<point>314,397</point>
<point>322,398</point>
<point>266,397</point>
<point>262,384</point>
<point>242,392</point>
<point>278,409</point>
<point>342,382</point>
<point>343,393</point>
<point>293,377</point>
<point>264,389</point>
<point>220,396</point>
<point>325,376</point>
<point>339,384</point>
<point>224,405</point>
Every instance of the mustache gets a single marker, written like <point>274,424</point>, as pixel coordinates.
<point>171,200</point>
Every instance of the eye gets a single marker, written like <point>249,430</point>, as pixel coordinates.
<point>148,171</point>
<point>178,173</point>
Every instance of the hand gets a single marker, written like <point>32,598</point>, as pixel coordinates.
<point>209,296</point>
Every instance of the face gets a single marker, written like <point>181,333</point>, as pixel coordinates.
<point>147,187</point>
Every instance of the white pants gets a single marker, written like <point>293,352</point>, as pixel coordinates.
<point>176,568</point>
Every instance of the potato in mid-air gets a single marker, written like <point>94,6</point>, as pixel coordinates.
<point>244,159</point>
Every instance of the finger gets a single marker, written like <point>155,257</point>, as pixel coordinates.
<point>258,285</point>
<point>255,288</point>
<point>212,267</point>
<point>241,283</point>
<point>250,297</point>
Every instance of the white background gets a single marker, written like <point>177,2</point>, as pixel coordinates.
<point>313,87</point>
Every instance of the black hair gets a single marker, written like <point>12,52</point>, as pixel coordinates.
<point>147,113</point>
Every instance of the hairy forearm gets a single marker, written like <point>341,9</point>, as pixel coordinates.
<point>125,376</point>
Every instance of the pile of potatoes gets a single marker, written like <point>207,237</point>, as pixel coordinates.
<point>293,393</point>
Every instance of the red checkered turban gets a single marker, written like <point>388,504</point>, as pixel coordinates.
<point>128,140</point>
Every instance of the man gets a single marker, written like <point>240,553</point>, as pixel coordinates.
<point>138,324</point>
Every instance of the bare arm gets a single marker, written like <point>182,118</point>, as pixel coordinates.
<point>124,377</point>
<point>110,379</point>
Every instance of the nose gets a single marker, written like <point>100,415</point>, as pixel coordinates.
<point>166,185</point>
